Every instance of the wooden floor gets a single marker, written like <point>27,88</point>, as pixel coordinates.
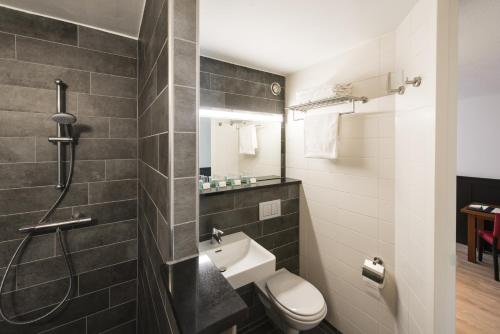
<point>478,295</point>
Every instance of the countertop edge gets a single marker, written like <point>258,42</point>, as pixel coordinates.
<point>205,279</point>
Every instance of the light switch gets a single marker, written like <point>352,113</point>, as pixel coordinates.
<point>270,209</point>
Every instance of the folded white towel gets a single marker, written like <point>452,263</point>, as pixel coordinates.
<point>248,139</point>
<point>320,135</point>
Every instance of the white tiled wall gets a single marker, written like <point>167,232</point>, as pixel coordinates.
<point>347,205</point>
<point>425,169</point>
<point>415,166</point>
<point>390,194</point>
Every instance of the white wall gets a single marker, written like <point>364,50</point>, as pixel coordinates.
<point>479,136</point>
<point>425,170</point>
<point>347,205</point>
<point>479,89</point>
<point>391,193</point>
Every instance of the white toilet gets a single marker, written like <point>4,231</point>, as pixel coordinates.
<point>292,303</point>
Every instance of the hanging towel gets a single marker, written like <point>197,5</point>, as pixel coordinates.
<point>320,135</point>
<point>248,139</point>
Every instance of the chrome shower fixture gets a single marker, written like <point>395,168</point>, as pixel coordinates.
<point>64,118</point>
<point>64,121</point>
<point>44,225</point>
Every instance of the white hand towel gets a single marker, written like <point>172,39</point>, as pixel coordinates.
<point>248,139</point>
<point>320,135</point>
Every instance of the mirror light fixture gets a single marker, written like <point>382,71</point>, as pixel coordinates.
<point>240,115</point>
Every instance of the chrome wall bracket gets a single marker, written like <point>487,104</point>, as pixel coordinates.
<point>415,82</point>
<point>399,90</point>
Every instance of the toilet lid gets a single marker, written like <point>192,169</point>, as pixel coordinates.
<point>295,294</point>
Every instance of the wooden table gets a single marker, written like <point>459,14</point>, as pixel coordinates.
<point>474,217</point>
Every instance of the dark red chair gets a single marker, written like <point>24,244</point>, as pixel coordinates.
<point>491,237</point>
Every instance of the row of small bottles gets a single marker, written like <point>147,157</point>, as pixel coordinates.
<point>208,182</point>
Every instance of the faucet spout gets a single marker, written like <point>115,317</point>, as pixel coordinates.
<point>217,235</point>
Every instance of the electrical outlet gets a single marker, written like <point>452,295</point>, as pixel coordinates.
<point>270,209</point>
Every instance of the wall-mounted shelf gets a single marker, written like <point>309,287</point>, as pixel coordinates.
<point>336,100</point>
<point>331,101</point>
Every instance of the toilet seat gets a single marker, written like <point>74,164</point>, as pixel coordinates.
<point>298,318</point>
<point>296,297</point>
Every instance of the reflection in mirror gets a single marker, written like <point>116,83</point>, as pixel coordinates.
<point>234,144</point>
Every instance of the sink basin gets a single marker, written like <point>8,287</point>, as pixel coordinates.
<point>240,259</point>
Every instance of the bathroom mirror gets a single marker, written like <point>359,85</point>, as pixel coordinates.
<point>239,143</point>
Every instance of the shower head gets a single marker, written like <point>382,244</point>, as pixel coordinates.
<point>64,118</point>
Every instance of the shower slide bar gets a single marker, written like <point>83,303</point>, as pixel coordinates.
<point>54,226</point>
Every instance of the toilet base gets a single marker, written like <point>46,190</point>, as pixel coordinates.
<point>276,319</point>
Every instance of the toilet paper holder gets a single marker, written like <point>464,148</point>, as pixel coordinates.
<point>373,272</point>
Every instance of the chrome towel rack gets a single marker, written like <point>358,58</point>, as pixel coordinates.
<point>343,99</point>
<point>331,101</point>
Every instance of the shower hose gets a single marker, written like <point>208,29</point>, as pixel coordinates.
<point>25,241</point>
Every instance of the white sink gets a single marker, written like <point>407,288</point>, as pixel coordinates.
<point>240,259</point>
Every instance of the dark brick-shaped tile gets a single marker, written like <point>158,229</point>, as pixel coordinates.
<point>103,41</point>
<point>109,212</point>
<point>185,192</point>
<point>40,198</point>
<point>100,235</point>
<point>281,223</point>
<point>107,277</point>
<point>185,109</point>
<point>185,157</point>
<point>159,114</point>
<point>228,219</point>
<point>186,243</point>
<point>36,100</point>
<point>112,85</point>
<point>185,13</point>
<point>216,203</point>
<point>124,292</point>
<point>25,24</point>
<point>72,57</point>
<point>120,169</point>
<point>122,128</point>
<point>105,106</point>
<point>42,76</point>
<point>7,46</point>
<point>185,63</point>
<point>148,151</point>
<point>92,127</point>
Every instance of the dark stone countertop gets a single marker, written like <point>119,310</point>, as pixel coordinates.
<point>202,300</point>
<point>259,184</point>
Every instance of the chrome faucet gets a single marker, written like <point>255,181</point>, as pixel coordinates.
<point>217,235</point>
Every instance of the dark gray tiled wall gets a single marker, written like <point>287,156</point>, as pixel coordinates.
<point>239,212</point>
<point>226,85</point>
<point>167,126</point>
<point>100,70</point>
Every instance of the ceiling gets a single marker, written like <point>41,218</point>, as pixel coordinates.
<point>284,36</point>
<point>479,48</point>
<point>118,16</point>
